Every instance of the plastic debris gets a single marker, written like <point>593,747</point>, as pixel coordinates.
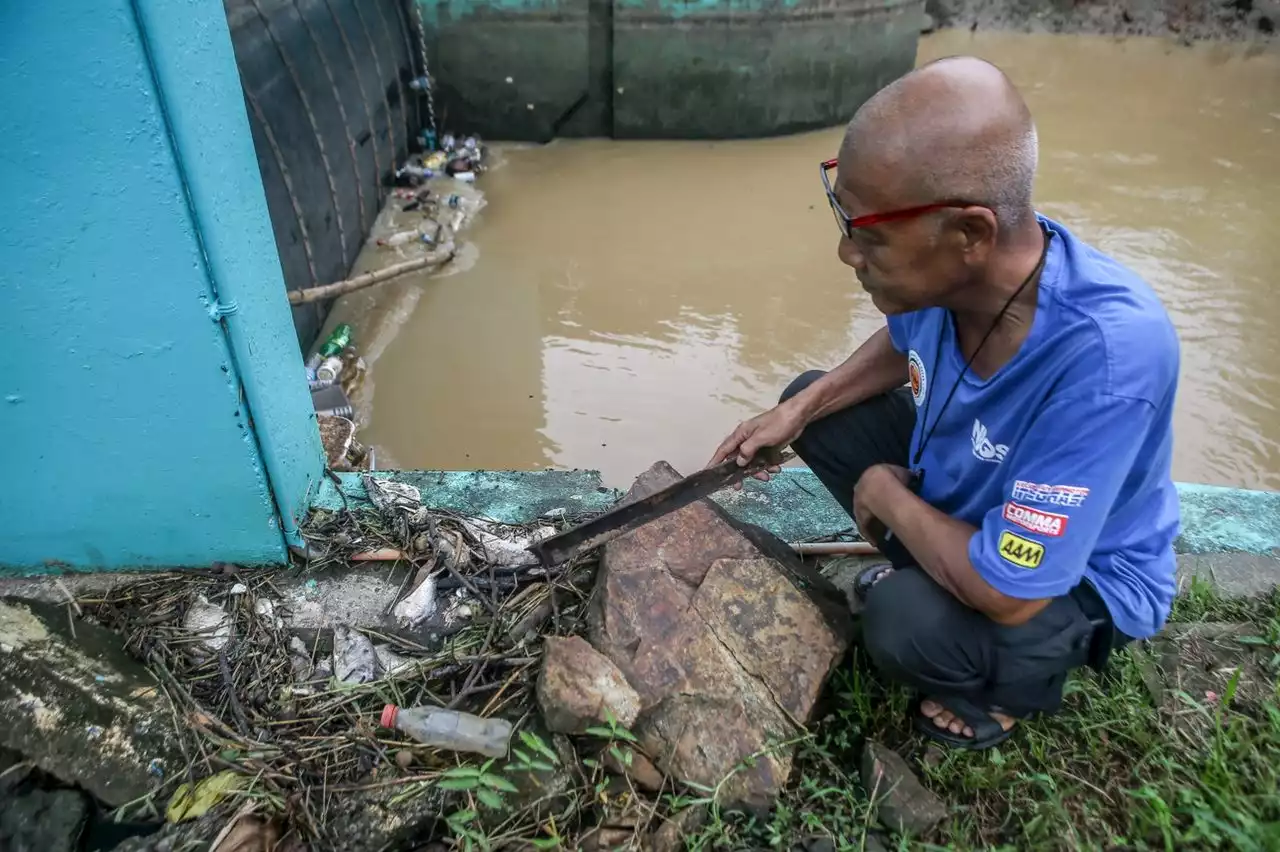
<point>390,497</point>
<point>329,369</point>
<point>267,610</point>
<point>354,660</point>
<point>238,589</point>
<point>418,605</point>
<point>210,621</point>
<point>450,729</point>
<point>300,660</point>
<point>507,552</point>
<point>389,661</point>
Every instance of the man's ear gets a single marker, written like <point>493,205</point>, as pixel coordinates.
<point>978,228</point>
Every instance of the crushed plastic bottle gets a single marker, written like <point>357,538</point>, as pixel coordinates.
<point>329,370</point>
<point>401,238</point>
<point>450,729</point>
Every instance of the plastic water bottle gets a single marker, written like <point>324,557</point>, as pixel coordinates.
<point>450,729</point>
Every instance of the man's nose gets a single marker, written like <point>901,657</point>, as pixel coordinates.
<point>849,253</point>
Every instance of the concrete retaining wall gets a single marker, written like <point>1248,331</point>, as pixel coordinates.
<point>535,69</point>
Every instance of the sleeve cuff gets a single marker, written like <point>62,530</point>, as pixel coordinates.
<point>1026,584</point>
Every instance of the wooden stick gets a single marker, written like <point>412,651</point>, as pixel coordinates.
<point>803,548</point>
<point>382,554</point>
<point>835,548</point>
<point>368,279</point>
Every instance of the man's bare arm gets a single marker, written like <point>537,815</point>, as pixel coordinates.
<point>874,368</point>
<point>940,545</point>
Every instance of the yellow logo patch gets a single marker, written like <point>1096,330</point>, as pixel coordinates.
<point>1020,551</point>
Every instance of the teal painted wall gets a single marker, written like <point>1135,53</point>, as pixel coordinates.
<point>138,426</point>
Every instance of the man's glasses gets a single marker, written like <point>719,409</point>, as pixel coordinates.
<point>848,224</point>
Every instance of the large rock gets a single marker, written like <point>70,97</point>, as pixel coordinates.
<point>727,637</point>
<point>75,704</point>
<point>901,802</point>
<point>579,687</point>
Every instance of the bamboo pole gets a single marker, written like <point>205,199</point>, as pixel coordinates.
<point>802,548</point>
<point>835,548</point>
<point>368,279</point>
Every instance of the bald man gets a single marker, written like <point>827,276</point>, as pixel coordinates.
<point>1006,439</point>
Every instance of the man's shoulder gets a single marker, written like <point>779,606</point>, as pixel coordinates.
<point>1120,323</point>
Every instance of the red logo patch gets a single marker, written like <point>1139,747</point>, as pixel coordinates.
<point>1044,523</point>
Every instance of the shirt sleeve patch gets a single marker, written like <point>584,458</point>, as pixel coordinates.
<point>1035,520</point>
<point>1053,495</point>
<point>1020,551</point>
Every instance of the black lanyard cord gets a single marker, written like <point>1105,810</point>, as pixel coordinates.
<point>942,327</point>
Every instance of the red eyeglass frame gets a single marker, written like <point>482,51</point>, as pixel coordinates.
<point>853,223</point>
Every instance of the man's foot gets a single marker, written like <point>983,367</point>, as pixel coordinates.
<point>868,577</point>
<point>944,718</point>
<point>960,723</point>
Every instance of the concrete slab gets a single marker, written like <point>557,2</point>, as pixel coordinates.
<point>75,704</point>
<point>1232,574</point>
<point>509,497</point>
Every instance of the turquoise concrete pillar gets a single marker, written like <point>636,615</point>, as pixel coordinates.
<point>152,406</point>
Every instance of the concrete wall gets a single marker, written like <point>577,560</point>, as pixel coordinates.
<point>151,404</point>
<point>535,69</point>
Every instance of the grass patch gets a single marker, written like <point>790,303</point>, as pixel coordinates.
<point>1110,771</point>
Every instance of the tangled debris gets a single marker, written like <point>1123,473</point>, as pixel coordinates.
<point>293,713</point>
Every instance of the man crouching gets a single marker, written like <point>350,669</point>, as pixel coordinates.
<point>1019,483</point>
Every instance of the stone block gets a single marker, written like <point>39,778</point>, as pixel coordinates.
<point>579,687</point>
<point>76,705</point>
<point>727,637</point>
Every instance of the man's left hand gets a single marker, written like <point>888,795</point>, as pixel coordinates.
<point>867,493</point>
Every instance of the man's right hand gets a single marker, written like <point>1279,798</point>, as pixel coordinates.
<point>776,428</point>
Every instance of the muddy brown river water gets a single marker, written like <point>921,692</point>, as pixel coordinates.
<point>632,301</point>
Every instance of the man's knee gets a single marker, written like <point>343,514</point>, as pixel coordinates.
<point>914,631</point>
<point>801,382</point>
<point>891,629</point>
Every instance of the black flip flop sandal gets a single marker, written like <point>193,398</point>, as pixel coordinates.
<point>867,578</point>
<point>987,732</point>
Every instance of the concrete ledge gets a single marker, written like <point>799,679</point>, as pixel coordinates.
<point>794,506</point>
<point>509,497</point>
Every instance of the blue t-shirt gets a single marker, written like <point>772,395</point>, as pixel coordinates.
<point>1062,458</point>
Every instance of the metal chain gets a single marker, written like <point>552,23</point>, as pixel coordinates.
<point>426,73</point>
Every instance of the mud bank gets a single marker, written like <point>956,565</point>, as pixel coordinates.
<point>1232,20</point>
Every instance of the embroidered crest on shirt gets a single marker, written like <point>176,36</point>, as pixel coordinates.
<point>984,448</point>
<point>917,377</point>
